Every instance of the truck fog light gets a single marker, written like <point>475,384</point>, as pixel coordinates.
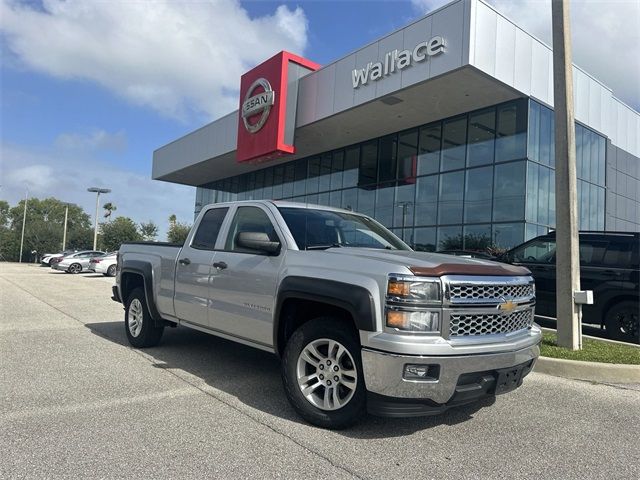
<point>424,321</point>
<point>427,373</point>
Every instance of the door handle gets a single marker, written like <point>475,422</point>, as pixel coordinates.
<point>220,265</point>
<point>184,261</point>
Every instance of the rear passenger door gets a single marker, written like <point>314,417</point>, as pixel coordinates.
<point>244,283</point>
<point>193,269</point>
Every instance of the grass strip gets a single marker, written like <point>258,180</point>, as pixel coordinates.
<point>592,351</point>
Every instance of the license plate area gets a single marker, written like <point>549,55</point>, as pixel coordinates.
<point>511,378</point>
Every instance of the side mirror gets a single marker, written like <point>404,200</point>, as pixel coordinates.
<point>257,241</point>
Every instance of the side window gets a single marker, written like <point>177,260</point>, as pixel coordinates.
<point>249,219</point>
<point>209,228</point>
<point>591,253</point>
<point>618,254</point>
<point>536,252</point>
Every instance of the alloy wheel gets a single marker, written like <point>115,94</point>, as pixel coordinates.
<point>136,316</point>
<point>326,374</point>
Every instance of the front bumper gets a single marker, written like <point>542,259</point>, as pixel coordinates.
<point>477,375</point>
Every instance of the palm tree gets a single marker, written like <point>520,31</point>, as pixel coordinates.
<point>109,209</point>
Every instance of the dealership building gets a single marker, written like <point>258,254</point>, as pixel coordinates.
<point>443,131</point>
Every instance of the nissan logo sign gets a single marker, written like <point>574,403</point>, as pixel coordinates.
<point>259,103</point>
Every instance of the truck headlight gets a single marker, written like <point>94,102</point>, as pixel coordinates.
<point>414,321</point>
<point>414,290</point>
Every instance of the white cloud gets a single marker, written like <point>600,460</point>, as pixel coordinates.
<point>96,139</point>
<point>178,58</point>
<point>605,37</point>
<point>66,175</point>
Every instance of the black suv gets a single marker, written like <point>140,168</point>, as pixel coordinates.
<point>609,265</point>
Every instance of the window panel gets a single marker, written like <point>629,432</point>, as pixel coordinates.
<point>552,199</point>
<point>482,130</point>
<point>543,195</point>
<point>313,175</point>
<point>532,192</point>
<point>407,156</point>
<point>511,131</point>
<point>450,198</point>
<point>545,135</point>
<point>387,159</point>
<point>300,172</point>
<point>289,180</point>
<point>429,151</point>
<point>593,165</point>
<point>508,191</point>
<point>351,166</point>
<point>268,183</point>
<point>424,239</point>
<point>477,237</point>
<point>209,228</point>
<point>368,163</point>
<point>335,198</point>
<point>325,172</point>
<point>534,134</point>
<point>337,167</point>
<point>454,140</point>
<point>508,235</point>
<point>426,200</point>
<point>404,205</point>
<point>450,238</point>
<point>384,205</point>
<point>350,199</point>
<point>366,201</point>
<point>278,179</point>
<point>478,193</point>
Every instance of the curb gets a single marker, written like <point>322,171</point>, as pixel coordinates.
<point>589,371</point>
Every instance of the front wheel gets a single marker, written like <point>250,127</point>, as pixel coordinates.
<point>322,373</point>
<point>138,324</point>
<point>622,323</point>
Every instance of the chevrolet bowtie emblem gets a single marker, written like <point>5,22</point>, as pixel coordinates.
<point>507,307</point>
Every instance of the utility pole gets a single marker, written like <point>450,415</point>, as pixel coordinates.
<point>97,191</point>
<point>64,231</point>
<point>24,221</point>
<point>567,259</point>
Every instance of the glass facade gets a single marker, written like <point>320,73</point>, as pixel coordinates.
<point>475,181</point>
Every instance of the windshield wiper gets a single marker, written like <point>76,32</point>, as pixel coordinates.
<point>323,247</point>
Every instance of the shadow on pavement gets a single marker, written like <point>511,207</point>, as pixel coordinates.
<point>253,377</point>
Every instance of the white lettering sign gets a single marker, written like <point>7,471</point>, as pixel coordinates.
<point>395,61</point>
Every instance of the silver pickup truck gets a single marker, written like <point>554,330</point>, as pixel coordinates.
<point>360,321</point>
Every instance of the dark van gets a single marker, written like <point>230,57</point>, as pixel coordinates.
<point>609,265</point>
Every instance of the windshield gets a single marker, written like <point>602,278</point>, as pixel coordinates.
<point>320,229</point>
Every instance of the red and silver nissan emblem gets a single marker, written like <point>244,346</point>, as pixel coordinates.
<point>259,103</point>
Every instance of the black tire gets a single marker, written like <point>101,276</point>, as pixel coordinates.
<point>344,333</point>
<point>148,334</point>
<point>622,322</point>
<point>111,271</point>
<point>74,268</point>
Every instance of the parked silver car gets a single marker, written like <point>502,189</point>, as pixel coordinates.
<point>76,262</point>
<point>105,264</point>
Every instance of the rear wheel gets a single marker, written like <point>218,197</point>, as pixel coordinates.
<point>111,271</point>
<point>622,322</point>
<point>74,268</point>
<point>141,329</point>
<point>322,373</point>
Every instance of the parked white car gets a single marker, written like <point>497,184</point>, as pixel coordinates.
<point>76,262</point>
<point>105,265</point>
<point>47,257</point>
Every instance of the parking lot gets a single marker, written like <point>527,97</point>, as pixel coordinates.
<point>77,401</point>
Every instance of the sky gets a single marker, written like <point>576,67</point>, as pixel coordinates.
<point>90,88</point>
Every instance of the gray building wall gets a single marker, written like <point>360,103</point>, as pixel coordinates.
<point>623,190</point>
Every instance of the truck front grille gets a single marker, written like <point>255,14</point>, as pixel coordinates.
<point>463,324</point>
<point>461,293</point>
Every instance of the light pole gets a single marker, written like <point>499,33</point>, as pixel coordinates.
<point>64,232</point>
<point>24,221</point>
<point>97,191</point>
<point>405,206</point>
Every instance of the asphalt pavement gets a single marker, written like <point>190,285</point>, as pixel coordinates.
<point>78,402</point>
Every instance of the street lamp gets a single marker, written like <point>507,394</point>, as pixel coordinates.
<point>97,191</point>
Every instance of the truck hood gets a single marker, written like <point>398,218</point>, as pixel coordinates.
<point>432,264</point>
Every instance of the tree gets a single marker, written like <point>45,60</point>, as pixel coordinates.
<point>118,231</point>
<point>149,230</point>
<point>178,231</point>
<point>109,209</point>
<point>43,228</point>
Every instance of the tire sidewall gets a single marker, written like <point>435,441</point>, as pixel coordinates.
<point>111,271</point>
<point>149,334</point>
<point>339,330</point>
<point>611,323</point>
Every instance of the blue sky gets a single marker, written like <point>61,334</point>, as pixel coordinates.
<point>90,89</point>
